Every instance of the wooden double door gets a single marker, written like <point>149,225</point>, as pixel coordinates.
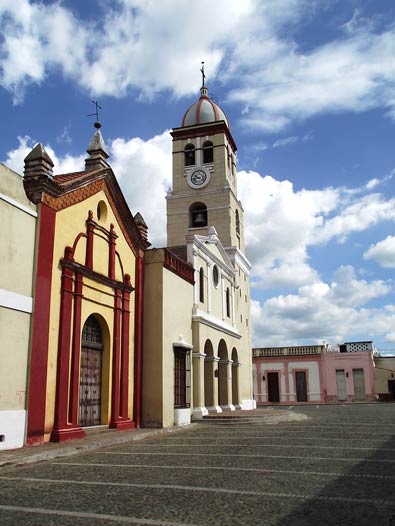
<point>90,392</point>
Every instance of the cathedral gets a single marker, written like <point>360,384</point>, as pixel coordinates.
<point>114,333</point>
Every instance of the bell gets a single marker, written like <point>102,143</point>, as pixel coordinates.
<point>199,219</point>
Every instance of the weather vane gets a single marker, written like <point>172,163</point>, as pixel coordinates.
<point>96,114</point>
<point>203,74</point>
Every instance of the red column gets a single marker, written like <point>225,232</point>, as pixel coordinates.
<point>76,351</point>
<point>111,255</point>
<point>90,227</point>
<point>125,341</point>
<point>37,389</point>
<point>62,430</point>
<point>115,405</point>
<point>138,338</point>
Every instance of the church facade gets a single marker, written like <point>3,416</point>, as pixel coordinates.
<point>117,334</point>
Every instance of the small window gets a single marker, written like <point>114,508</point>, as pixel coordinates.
<point>189,154</point>
<point>215,276</point>
<point>228,302</point>
<point>201,285</point>
<point>228,156</point>
<point>101,211</point>
<point>198,215</point>
<point>237,222</point>
<point>182,377</point>
<point>208,152</point>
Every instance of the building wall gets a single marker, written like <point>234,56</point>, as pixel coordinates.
<point>18,220</point>
<point>168,301</point>
<point>286,367</point>
<point>384,372</point>
<point>348,362</point>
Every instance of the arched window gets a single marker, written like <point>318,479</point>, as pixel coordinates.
<point>237,223</point>
<point>208,152</point>
<point>215,276</point>
<point>189,154</point>
<point>228,302</point>
<point>228,156</point>
<point>201,285</point>
<point>198,215</point>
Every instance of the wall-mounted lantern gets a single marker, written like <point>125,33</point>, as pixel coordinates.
<point>263,378</point>
<point>216,373</point>
<point>346,375</point>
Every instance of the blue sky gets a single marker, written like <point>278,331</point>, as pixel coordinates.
<point>309,89</point>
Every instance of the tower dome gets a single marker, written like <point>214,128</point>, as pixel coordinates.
<point>203,111</point>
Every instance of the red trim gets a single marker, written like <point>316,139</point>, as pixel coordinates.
<point>62,430</point>
<point>76,351</point>
<point>40,327</point>
<point>138,339</point>
<point>90,227</point>
<point>111,255</point>
<point>125,349</point>
<point>115,408</point>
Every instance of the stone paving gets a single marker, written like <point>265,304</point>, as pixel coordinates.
<point>335,467</point>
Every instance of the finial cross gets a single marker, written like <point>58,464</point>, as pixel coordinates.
<point>98,107</point>
<point>203,74</point>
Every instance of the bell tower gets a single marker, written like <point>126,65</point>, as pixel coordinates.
<point>204,190</point>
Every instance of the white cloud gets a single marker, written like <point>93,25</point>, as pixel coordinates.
<point>143,170</point>
<point>382,252</point>
<point>322,311</point>
<point>148,47</point>
<point>285,142</point>
<point>65,164</point>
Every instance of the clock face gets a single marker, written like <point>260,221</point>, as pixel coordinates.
<point>198,177</point>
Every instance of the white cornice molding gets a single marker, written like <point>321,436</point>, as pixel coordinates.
<point>14,203</point>
<point>12,300</point>
<point>235,255</point>
<point>215,323</point>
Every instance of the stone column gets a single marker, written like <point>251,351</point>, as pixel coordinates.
<point>199,405</point>
<point>225,367</point>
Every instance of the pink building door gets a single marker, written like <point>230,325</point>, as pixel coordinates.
<point>341,385</point>
<point>273,387</point>
<point>359,385</point>
<point>301,386</point>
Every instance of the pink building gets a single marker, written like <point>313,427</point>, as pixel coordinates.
<point>288,375</point>
<point>349,376</point>
<point>311,374</point>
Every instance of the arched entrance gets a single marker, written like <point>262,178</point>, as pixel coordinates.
<point>91,374</point>
<point>208,374</point>
<point>223,373</point>
<point>235,377</point>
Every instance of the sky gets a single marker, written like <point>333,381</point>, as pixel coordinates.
<point>309,89</point>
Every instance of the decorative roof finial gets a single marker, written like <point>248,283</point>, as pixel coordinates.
<point>203,74</point>
<point>97,124</point>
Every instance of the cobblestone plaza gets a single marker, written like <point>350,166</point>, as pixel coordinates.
<point>334,467</point>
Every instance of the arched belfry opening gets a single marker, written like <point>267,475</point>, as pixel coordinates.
<point>189,155</point>
<point>208,152</point>
<point>197,215</point>
<point>90,392</point>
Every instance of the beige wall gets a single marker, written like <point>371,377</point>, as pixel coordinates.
<point>18,220</point>
<point>384,370</point>
<point>168,303</point>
